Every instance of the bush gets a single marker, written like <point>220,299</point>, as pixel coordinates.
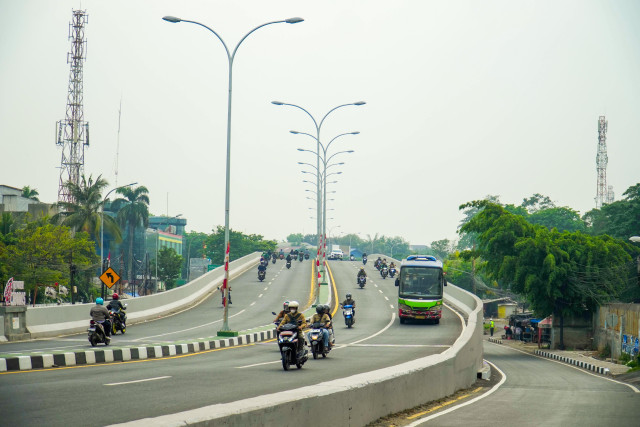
<point>606,352</point>
<point>624,358</point>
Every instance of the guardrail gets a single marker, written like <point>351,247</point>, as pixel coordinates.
<point>53,321</point>
<point>362,398</point>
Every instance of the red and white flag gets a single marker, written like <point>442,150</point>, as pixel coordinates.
<point>224,282</point>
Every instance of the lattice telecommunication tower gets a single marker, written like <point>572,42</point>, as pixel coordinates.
<point>73,132</point>
<point>601,163</point>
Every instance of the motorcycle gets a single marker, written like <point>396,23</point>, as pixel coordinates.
<point>364,261</point>
<point>384,271</point>
<point>377,264</point>
<point>288,343</point>
<point>288,264</point>
<point>317,341</point>
<point>118,320</point>
<point>261,275</point>
<point>392,272</point>
<point>361,281</point>
<point>273,260</point>
<point>347,312</point>
<point>97,334</point>
<point>306,256</point>
<point>352,258</point>
<point>281,256</point>
<point>301,258</point>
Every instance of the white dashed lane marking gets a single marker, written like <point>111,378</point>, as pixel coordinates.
<point>260,296</point>
<point>252,304</point>
<point>387,298</point>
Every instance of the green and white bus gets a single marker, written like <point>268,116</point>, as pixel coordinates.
<point>420,287</point>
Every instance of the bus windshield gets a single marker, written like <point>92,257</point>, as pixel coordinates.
<point>420,282</point>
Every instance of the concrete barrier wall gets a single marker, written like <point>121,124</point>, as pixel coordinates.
<point>358,399</point>
<point>52,321</point>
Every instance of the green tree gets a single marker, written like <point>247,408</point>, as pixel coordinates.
<point>169,264</point>
<point>619,219</point>
<point>30,193</point>
<point>133,212</point>
<point>295,238</point>
<point>442,248</point>
<point>241,244</point>
<point>560,273</point>
<point>84,213</point>
<point>43,254</point>
<point>561,218</point>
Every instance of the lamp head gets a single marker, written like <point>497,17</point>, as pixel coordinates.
<point>359,103</point>
<point>293,20</point>
<point>355,133</point>
<point>295,132</point>
<point>172,19</point>
<point>277,103</point>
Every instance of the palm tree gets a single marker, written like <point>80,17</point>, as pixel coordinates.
<point>85,213</point>
<point>30,193</point>
<point>134,212</point>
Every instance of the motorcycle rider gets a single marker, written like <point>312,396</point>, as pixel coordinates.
<point>284,311</point>
<point>327,311</point>
<point>378,262</point>
<point>117,306</point>
<point>289,258</point>
<point>321,317</point>
<point>262,267</point>
<point>350,301</point>
<point>100,314</point>
<point>295,317</point>
<point>361,273</point>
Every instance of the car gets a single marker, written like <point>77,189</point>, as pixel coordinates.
<point>336,254</point>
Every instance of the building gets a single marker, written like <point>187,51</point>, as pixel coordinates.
<point>11,200</point>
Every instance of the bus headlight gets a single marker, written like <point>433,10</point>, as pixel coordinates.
<point>404,308</point>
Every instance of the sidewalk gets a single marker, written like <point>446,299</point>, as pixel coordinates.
<point>580,358</point>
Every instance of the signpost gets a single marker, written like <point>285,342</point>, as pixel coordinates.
<point>109,277</point>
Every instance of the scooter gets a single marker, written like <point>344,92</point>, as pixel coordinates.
<point>118,320</point>
<point>288,264</point>
<point>288,343</point>
<point>392,272</point>
<point>316,340</point>
<point>261,275</point>
<point>301,258</point>
<point>384,271</point>
<point>361,281</point>
<point>273,260</point>
<point>364,260</point>
<point>306,256</point>
<point>97,334</point>
<point>347,312</point>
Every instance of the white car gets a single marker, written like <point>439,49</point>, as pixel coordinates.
<point>336,254</point>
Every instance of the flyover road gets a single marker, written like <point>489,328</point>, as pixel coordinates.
<point>253,302</point>
<point>125,391</point>
<point>539,391</point>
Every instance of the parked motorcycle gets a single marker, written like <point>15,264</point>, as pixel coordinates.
<point>364,260</point>
<point>384,271</point>
<point>316,340</point>
<point>392,272</point>
<point>118,320</point>
<point>288,264</point>
<point>261,275</point>
<point>288,343</point>
<point>347,312</point>
<point>361,281</point>
<point>97,334</point>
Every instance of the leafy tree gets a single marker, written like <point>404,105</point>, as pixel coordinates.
<point>468,239</point>
<point>562,218</point>
<point>442,248</point>
<point>295,238</point>
<point>560,273</point>
<point>619,219</point>
<point>241,244</point>
<point>84,213</point>
<point>43,253</point>
<point>169,264</point>
<point>133,212</point>
<point>536,203</point>
<point>30,193</point>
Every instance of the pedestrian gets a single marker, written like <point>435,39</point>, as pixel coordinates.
<point>519,333</point>
<point>491,326</point>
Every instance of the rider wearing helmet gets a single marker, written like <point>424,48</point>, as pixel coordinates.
<point>361,273</point>
<point>100,314</point>
<point>321,317</point>
<point>295,317</point>
<point>350,301</point>
<point>327,311</point>
<point>284,311</point>
<point>117,306</point>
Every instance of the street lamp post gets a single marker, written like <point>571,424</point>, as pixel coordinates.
<point>318,126</point>
<point>226,331</point>
<point>102,289</point>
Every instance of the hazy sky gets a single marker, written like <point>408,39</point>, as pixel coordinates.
<point>464,99</point>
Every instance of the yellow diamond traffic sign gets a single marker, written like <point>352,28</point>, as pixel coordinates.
<point>109,277</point>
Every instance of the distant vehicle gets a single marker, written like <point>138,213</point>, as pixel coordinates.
<point>336,254</point>
<point>420,287</point>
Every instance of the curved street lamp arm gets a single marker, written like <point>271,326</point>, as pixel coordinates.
<point>339,152</point>
<point>247,35</point>
<point>219,38</point>
<point>336,137</point>
<point>315,123</point>
<point>332,110</point>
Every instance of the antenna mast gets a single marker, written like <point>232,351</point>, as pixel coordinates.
<point>73,132</point>
<point>601,163</point>
<point>118,144</point>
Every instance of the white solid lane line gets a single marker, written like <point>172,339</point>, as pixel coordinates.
<point>188,329</point>
<point>140,381</point>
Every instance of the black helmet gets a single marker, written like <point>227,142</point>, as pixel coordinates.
<point>348,296</point>
<point>319,308</point>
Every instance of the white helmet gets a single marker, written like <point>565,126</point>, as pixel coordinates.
<point>294,305</point>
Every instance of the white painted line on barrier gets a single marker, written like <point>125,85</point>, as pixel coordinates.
<point>462,405</point>
<point>140,381</point>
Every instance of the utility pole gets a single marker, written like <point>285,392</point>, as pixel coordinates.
<point>473,270</point>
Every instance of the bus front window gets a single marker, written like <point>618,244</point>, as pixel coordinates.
<point>421,282</point>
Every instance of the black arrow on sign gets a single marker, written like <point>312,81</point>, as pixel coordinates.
<point>110,276</point>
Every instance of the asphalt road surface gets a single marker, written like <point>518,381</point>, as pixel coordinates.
<point>138,389</point>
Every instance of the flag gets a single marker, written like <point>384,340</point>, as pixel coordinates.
<point>109,260</point>
<point>224,282</point>
<point>8,290</point>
